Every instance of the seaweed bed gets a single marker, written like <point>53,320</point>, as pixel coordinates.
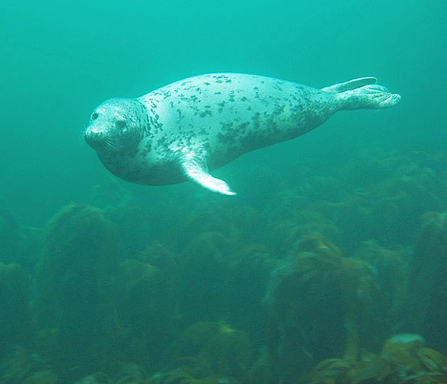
<point>337,274</point>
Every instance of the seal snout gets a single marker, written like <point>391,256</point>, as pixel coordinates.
<point>94,138</point>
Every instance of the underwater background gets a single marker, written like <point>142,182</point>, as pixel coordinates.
<point>328,266</point>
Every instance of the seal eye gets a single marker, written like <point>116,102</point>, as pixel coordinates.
<point>121,124</point>
<point>95,116</point>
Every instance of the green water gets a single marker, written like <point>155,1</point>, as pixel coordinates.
<point>60,59</point>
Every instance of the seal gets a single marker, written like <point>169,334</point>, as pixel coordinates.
<point>185,129</point>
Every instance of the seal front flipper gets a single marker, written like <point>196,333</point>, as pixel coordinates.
<point>197,171</point>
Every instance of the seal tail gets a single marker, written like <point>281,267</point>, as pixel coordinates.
<point>363,93</point>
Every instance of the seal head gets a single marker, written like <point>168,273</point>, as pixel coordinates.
<point>116,126</point>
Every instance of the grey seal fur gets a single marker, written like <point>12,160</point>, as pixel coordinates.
<point>185,129</point>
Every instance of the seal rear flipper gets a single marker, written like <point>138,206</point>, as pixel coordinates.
<point>372,96</point>
<point>363,93</point>
<point>200,175</point>
<point>350,85</point>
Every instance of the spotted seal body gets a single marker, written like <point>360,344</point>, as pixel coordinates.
<point>187,128</point>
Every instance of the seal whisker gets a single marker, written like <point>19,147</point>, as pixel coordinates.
<point>81,136</point>
<point>113,144</point>
<point>110,144</point>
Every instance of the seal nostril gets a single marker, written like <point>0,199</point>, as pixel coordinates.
<point>95,116</point>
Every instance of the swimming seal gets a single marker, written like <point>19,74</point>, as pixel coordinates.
<point>189,127</point>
